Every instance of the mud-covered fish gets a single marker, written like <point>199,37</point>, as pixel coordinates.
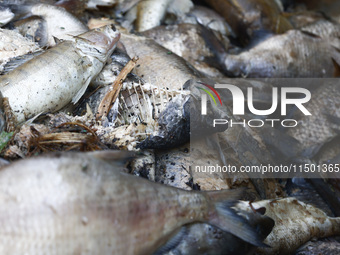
<point>295,224</point>
<point>85,204</point>
<point>292,54</point>
<point>56,22</point>
<point>44,84</point>
<point>248,16</point>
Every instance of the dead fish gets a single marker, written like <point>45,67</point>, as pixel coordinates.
<point>150,13</point>
<point>44,85</point>
<point>205,239</point>
<point>186,41</point>
<point>247,16</point>
<point>34,28</point>
<point>325,29</point>
<point>322,126</point>
<point>304,18</point>
<point>325,247</point>
<point>208,18</point>
<point>59,23</point>
<point>151,65</point>
<point>86,204</point>
<point>12,45</point>
<point>288,55</point>
<point>295,224</point>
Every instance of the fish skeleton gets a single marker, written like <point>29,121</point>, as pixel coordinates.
<point>82,203</point>
<point>59,76</point>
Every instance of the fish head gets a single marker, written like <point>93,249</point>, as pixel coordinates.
<point>99,42</point>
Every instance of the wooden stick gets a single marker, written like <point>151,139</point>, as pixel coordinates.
<point>111,96</point>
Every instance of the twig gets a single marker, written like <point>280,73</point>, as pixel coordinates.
<point>111,96</point>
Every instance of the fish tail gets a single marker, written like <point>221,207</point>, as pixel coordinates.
<point>252,228</point>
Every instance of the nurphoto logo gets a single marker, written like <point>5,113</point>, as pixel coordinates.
<point>238,104</point>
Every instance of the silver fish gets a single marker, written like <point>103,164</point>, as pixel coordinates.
<point>186,41</point>
<point>58,24</point>
<point>150,13</point>
<point>44,84</point>
<point>85,204</point>
<point>291,54</point>
<point>151,65</point>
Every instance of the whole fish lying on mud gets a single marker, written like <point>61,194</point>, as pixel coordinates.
<point>291,54</point>
<point>59,76</point>
<point>85,204</point>
<point>55,22</point>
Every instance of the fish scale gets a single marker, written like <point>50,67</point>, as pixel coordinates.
<point>43,84</point>
<point>85,204</point>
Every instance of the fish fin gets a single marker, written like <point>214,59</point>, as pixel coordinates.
<point>18,61</point>
<point>215,45</point>
<point>227,218</point>
<point>180,7</point>
<point>81,92</point>
<point>30,121</point>
<point>173,242</point>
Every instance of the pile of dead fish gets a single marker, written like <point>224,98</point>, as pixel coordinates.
<point>95,92</point>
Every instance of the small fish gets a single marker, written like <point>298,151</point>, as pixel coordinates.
<point>34,28</point>
<point>59,23</point>
<point>295,224</point>
<point>151,65</point>
<point>208,18</point>
<point>186,41</point>
<point>85,203</point>
<point>43,84</point>
<point>290,55</point>
<point>150,13</point>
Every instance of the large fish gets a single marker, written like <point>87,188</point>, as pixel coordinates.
<point>291,54</point>
<point>44,84</point>
<point>82,203</point>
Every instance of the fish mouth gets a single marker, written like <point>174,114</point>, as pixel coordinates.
<point>103,39</point>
